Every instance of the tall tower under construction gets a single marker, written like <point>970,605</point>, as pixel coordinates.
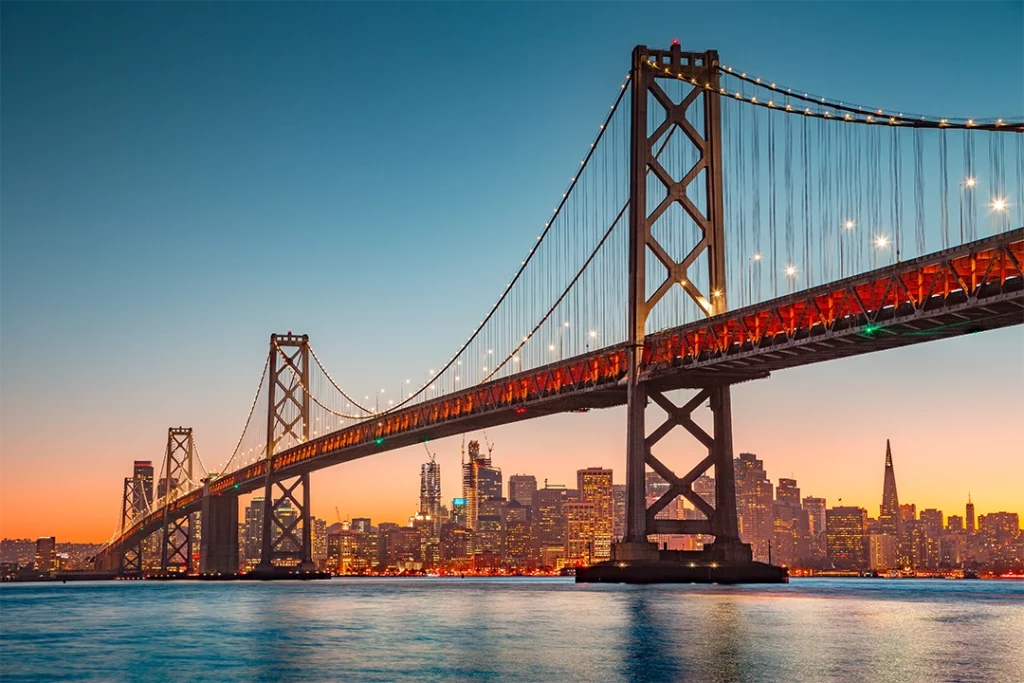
<point>430,489</point>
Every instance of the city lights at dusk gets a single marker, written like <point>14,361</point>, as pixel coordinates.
<point>511,341</point>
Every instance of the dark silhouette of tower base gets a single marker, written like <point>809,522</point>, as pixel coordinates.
<point>218,546</point>
<point>699,194</point>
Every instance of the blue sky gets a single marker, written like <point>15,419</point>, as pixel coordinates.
<point>180,180</point>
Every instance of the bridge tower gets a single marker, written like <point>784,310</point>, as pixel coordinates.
<point>130,560</point>
<point>697,117</point>
<point>286,497</point>
<point>176,549</point>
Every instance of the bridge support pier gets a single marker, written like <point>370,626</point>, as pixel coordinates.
<point>728,559</point>
<point>218,546</point>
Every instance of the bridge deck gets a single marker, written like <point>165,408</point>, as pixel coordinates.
<point>978,286</point>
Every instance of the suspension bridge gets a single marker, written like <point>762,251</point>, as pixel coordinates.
<point>721,226</point>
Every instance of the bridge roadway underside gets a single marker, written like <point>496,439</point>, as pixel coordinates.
<point>964,290</point>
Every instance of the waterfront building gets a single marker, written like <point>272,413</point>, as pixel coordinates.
<point>383,538</point>
<point>754,500</point>
<point>881,552</point>
<point>454,545</point>
<point>549,523</point>
<point>595,486</point>
<point>318,540</point>
<point>46,554</point>
<point>619,511</point>
<point>580,534</point>
<point>487,537</point>
<point>253,532</point>
<point>845,534</point>
<point>516,542</point>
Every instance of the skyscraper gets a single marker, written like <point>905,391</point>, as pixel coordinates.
<point>846,531</point>
<point>480,481</point>
<point>970,515</point>
<point>619,526</point>
<point>46,554</point>
<point>254,531</point>
<point>580,533</point>
<point>143,475</point>
<point>549,523</point>
<point>430,489</point>
<point>521,488</point>
<point>754,500</point>
<point>788,493</point>
<point>595,486</point>
<point>889,519</point>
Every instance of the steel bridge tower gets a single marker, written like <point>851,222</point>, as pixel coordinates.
<point>178,529</point>
<point>700,69</point>
<point>287,419</point>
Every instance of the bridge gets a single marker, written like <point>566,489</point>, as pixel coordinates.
<point>624,296</point>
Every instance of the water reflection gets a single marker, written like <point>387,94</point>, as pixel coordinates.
<point>512,630</point>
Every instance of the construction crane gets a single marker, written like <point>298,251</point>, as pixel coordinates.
<point>337,512</point>
<point>427,448</point>
<point>490,446</point>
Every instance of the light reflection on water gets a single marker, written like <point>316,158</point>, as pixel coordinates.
<point>512,630</point>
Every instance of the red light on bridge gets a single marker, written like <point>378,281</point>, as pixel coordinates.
<point>675,42</point>
<point>520,410</point>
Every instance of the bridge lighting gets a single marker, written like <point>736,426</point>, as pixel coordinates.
<point>489,351</point>
<point>716,293</point>
<point>881,241</point>
<point>485,368</point>
<point>970,182</point>
<point>551,347</point>
<point>757,257</point>
<point>515,359</point>
<point>848,225</point>
<point>565,324</point>
<point>593,334</point>
<point>379,440</point>
<point>520,410</point>
<point>790,270</point>
<point>999,204</point>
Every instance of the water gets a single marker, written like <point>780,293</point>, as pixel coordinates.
<point>512,630</point>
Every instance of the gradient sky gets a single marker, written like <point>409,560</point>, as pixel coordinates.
<point>179,181</point>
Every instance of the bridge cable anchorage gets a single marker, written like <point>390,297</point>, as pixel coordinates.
<point>516,278</point>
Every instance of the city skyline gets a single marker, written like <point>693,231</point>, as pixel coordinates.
<point>412,500</point>
<point>64,406</point>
